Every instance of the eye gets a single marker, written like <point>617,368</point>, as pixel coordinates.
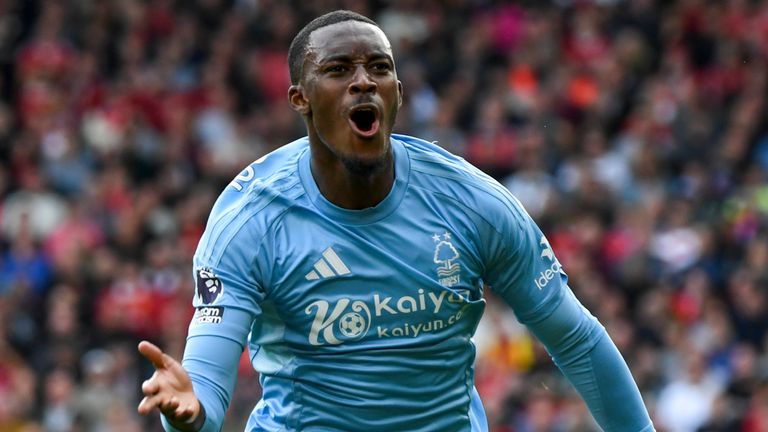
<point>337,68</point>
<point>381,67</point>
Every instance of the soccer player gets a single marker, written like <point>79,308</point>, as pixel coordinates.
<point>352,262</point>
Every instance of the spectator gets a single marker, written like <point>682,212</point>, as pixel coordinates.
<point>642,121</point>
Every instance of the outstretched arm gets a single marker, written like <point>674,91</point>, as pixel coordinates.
<point>523,269</point>
<point>228,296</point>
<point>582,350</point>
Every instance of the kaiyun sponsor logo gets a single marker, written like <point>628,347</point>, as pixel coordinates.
<point>348,319</point>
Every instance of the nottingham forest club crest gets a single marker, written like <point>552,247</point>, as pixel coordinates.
<point>445,255</point>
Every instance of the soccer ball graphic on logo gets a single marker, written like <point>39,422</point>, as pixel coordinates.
<point>209,286</point>
<point>352,324</point>
<point>212,285</point>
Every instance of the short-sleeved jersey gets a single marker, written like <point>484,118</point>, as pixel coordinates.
<point>363,320</point>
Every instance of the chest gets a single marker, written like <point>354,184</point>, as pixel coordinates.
<point>400,279</point>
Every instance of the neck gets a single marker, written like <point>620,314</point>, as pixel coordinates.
<point>350,189</point>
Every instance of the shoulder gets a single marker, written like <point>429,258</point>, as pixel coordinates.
<point>437,171</point>
<point>270,168</point>
<point>254,199</point>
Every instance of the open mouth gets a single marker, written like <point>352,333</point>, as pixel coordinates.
<point>364,120</point>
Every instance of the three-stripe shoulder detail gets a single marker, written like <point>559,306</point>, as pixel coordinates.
<point>459,174</point>
<point>255,203</point>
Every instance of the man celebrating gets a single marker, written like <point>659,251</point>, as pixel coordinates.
<point>352,264</point>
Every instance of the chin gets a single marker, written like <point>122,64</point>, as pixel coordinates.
<point>364,167</point>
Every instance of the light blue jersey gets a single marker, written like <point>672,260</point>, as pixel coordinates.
<point>362,320</point>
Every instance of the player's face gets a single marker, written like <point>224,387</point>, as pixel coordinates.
<point>350,94</point>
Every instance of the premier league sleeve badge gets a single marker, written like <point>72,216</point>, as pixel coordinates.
<point>208,285</point>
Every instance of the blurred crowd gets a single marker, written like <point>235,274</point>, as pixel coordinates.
<point>634,132</point>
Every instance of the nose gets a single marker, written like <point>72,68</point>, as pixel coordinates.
<point>362,82</point>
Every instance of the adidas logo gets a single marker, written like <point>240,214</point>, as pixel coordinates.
<point>329,265</point>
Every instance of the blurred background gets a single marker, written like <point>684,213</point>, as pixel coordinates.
<point>634,132</point>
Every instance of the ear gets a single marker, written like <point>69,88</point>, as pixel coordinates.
<point>297,100</point>
<point>399,93</point>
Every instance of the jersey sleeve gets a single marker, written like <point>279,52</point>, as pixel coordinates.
<point>227,301</point>
<point>523,269</point>
<point>521,265</point>
<point>211,362</point>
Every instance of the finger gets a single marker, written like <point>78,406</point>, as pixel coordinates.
<point>153,354</point>
<point>169,406</point>
<point>150,387</point>
<point>148,404</point>
<point>185,413</point>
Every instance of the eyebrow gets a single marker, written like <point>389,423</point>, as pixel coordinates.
<point>345,58</point>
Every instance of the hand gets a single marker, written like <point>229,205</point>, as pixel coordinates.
<point>169,389</point>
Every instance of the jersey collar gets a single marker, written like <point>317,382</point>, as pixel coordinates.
<point>359,217</point>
